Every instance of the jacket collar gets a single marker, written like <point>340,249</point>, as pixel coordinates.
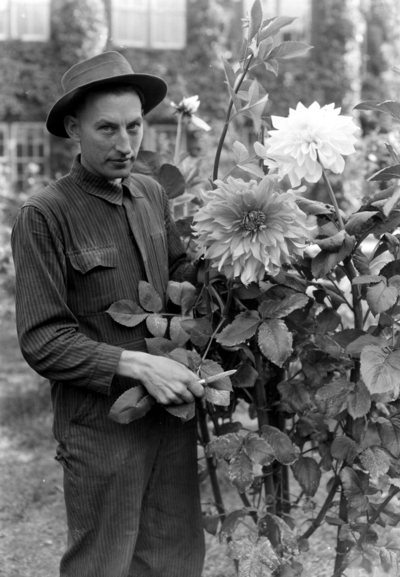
<point>108,190</point>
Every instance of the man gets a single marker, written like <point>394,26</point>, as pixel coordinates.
<point>79,245</point>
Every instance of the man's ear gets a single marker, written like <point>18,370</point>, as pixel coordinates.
<point>71,125</point>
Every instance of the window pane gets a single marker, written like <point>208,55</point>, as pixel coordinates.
<point>30,153</point>
<point>130,22</point>
<point>3,18</point>
<point>30,19</point>
<point>168,24</point>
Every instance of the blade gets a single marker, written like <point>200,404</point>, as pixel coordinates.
<point>213,378</point>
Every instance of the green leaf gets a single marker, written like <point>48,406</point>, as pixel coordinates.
<point>327,321</point>
<point>332,243</point>
<point>389,433</point>
<point>127,313</point>
<point>216,396</point>
<point>131,405</point>
<point>211,523</point>
<point>182,294</point>
<point>231,522</point>
<point>327,344</point>
<point>375,460</point>
<point>380,369</point>
<point>225,447</point>
<point>332,398</point>
<point>347,336</point>
<point>157,325</point>
<point>387,107</point>
<point>274,26</point>
<point>289,49</point>
<point>381,297</point>
<point>275,341</point>
<point>386,173</point>
<point>160,347</point>
<point>180,356</point>
<point>148,162</point>
<point>314,207</point>
<point>258,449</point>
<point>244,326</point>
<point>391,202</point>
<point>357,222</point>
<point>361,262</point>
<point>286,453</point>
<point>200,330</point>
<point>176,332</point>
<point>256,15</point>
<point>344,449</point>
<point>172,180</point>
<point>325,261</point>
<point>252,556</point>
<point>355,348</point>
<point>359,401</point>
<point>353,489</point>
<point>287,537</point>
<point>367,279</point>
<point>245,377</point>
<point>295,395</point>
<point>241,473</point>
<point>229,73</point>
<point>240,152</point>
<point>210,368</point>
<point>308,474</point>
<point>185,412</point>
<point>277,309</point>
<point>149,298</point>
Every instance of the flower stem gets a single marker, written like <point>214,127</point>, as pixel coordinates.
<point>178,140</point>
<point>332,196</point>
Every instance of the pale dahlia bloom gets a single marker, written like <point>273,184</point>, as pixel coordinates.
<point>248,229</point>
<point>187,107</point>
<point>306,135</point>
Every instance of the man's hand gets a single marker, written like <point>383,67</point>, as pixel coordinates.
<point>168,381</point>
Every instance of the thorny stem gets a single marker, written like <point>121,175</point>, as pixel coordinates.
<point>376,515</point>
<point>323,511</point>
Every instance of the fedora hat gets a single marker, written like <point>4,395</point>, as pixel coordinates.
<point>105,68</point>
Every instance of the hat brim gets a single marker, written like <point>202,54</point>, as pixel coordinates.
<point>154,90</point>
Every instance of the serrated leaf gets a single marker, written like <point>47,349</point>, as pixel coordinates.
<point>210,368</point>
<point>274,26</point>
<point>180,356</point>
<point>332,398</point>
<point>344,449</point>
<point>211,523</point>
<point>391,202</point>
<point>295,395</point>
<point>149,297</point>
<point>355,348</point>
<point>185,412</point>
<point>380,370</point>
<point>308,474</point>
<point>357,222</point>
<point>389,433</point>
<point>241,473</point>
<point>157,325</point>
<point>287,536</point>
<point>347,336</point>
<point>182,294</point>
<point>381,297</point>
<point>387,107</point>
<point>290,49</point>
<point>225,447</point>
<point>359,401</point>
<point>277,309</point>
<point>172,180</point>
<point>176,332</point>
<point>244,326</point>
<point>159,346</point>
<point>245,377</point>
<point>148,162</point>
<point>275,341</point>
<point>256,15</point>
<point>127,313</point>
<point>231,522</point>
<point>199,330</point>
<point>353,489</point>
<point>240,152</point>
<point>325,261</point>
<point>375,461</point>
<point>368,279</point>
<point>216,396</point>
<point>131,405</point>
<point>332,243</point>
<point>314,207</point>
<point>286,453</point>
<point>327,321</point>
<point>386,174</point>
<point>258,449</point>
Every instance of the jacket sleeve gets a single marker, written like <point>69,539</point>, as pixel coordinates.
<point>47,330</point>
<point>181,268</point>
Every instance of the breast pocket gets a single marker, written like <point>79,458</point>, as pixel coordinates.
<point>92,279</point>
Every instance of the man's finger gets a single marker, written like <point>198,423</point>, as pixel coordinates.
<point>197,389</point>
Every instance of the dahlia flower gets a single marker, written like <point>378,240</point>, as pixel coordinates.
<point>187,107</point>
<point>306,136</point>
<point>248,229</point>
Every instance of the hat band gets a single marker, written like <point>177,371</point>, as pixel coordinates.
<point>102,71</point>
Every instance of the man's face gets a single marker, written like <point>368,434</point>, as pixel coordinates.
<point>109,129</point>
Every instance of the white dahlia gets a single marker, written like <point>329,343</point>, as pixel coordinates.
<point>306,135</point>
<point>248,229</point>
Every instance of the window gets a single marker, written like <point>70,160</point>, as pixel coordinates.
<point>25,19</point>
<point>299,9</point>
<point>149,23</point>
<point>29,153</point>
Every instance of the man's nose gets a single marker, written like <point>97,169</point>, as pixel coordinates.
<point>122,143</point>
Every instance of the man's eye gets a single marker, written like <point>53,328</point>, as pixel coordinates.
<point>106,128</point>
<point>134,127</point>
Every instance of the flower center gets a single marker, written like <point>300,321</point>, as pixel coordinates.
<point>254,220</point>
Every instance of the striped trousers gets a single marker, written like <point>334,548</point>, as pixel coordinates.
<point>131,494</point>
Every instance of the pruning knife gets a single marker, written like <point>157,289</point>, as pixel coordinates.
<point>213,378</point>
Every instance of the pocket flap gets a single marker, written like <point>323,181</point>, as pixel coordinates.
<point>86,260</point>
